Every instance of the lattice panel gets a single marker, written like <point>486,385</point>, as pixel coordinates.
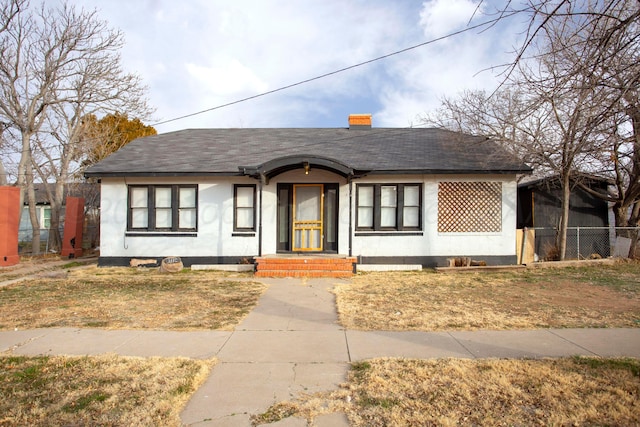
<point>469,207</point>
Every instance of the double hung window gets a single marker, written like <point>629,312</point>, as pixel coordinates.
<point>392,207</point>
<point>244,207</point>
<point>163,208</point>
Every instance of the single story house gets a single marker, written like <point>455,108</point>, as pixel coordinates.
<point>380,195</point>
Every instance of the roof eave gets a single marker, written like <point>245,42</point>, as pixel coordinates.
<point>448,171</point>
<point>158,174</point>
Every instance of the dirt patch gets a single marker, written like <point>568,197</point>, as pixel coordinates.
<point>98,391</point>
<point>602,296</point>
<point>128,298</point>
<point>451,392</point>
<point>39,264</point>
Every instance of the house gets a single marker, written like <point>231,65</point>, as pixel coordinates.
<point>90,193</point>
<point>381,195</point>
<point>540,207</point>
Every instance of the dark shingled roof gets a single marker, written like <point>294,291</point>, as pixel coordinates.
<point>201,152</point>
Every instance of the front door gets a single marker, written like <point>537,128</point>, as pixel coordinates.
<point>307,217</point>
<point>308,208</point>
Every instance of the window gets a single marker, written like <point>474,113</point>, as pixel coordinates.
<point>244,207</point>
<point>388,206</point>
<point>163,208</point>
<point>394,207</point>
<point>469,207</point>
<point>46,218</point>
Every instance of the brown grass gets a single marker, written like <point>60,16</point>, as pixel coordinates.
<point>450,392</point>
<point>597,296</point>
<point>97,391</point>
<point>128,298</point>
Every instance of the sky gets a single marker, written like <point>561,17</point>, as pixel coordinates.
<point>196,55</point>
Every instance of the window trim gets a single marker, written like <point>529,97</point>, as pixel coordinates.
<point>151,209</point>
<point>399,212</point>
<point>236,207</point>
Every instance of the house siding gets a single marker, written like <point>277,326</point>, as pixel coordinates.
<point>432,247</point>
<point>216,242</point>
<point>215,236</point>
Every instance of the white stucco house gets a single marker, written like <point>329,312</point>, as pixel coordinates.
<point>380,195</point>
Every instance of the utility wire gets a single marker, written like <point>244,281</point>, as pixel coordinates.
<point>341,70</point>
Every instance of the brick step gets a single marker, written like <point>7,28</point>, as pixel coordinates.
<point>303,260</point>
<point>318,267</point>
<point>304,267</point>
<point>302,273</point>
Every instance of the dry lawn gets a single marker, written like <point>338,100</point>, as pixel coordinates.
<point>594,296</point>
<point>128,298</point>
<point>97,391</point>
<point>449,392</point>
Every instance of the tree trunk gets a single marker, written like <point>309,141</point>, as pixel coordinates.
<point>620,214</point>
<point>634,219</point>
<point>55,240</point>
<point>24,165</point>
<point>33,212</point>
<point>3,174</point>
<point>564,219</point>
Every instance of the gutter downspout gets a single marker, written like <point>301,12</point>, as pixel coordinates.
<point>350,216</point>
<point>260,219</point>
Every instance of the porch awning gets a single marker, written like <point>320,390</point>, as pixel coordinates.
<point>280,165</point>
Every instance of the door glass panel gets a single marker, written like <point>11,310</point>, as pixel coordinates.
<point>283,218</point>
<point>330,203</point>
<point>307,218</point>
<point>307,203</point>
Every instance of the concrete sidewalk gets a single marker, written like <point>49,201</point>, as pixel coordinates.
<point>291,343</point>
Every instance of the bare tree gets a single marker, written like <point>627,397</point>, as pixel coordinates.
<point>57,65</point>
<point>557,108</point>
<point>544,14</point>
<point>100,87</point>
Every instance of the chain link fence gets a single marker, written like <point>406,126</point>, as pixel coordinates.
<point>585,242</point>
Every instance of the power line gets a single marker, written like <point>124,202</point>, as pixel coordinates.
<point>331,73</point>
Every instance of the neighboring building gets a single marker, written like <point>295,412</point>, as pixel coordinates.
<point>90,192</point>
<point>540,207</point>
<point>385,196</point>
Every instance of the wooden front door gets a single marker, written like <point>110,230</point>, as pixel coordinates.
<point>308,210</point>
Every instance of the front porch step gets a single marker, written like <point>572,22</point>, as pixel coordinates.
<point>303,266</point>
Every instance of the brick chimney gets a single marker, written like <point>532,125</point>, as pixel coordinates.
<point>359,121</point>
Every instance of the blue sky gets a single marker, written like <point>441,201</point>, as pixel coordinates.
<point>198,54</point>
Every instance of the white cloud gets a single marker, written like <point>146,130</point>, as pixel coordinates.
<point>199,54</point>
<point>441,17</point>
<point>226,77</point>
<point>447,67</point>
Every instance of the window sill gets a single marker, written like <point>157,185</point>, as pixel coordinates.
<point>388,233</point>
<point>243,234</point>
<point>161,234</point>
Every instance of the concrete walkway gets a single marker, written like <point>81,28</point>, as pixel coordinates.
<point>291,343</point>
